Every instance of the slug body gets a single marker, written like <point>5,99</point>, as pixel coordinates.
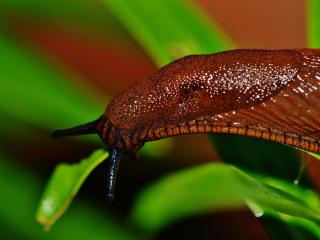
<point>269,94</point>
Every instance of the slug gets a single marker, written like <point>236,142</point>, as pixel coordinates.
<point>268,94</point>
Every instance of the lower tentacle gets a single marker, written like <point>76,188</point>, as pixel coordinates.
<point>114,162</point>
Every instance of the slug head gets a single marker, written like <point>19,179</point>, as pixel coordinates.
<point>115,154</point>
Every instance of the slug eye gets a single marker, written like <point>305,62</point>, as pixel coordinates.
<point>188,89</point>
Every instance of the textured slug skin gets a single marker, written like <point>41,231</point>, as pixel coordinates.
<point>269,94</point>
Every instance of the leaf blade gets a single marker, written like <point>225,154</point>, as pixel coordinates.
<point>177,39</point>
<point>187,192</point>
<point>20,190</point>
<point>313,29</point>
<point>63,185</point>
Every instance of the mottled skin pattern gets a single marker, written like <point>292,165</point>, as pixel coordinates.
<point>197,86</point>
<point>269,94</point>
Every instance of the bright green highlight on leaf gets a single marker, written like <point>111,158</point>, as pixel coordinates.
<point>316,155</point>
<point>64,184</point>
<point>285,226</point>
<point>294,228</point>
<point>168,29</point>
<point>214,187</point>
<point>313,26</point>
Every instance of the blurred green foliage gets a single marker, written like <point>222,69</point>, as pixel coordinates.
<point>33,91</point>
<point>83,12</point>
<point>215,187</point>
<point>182,30</point>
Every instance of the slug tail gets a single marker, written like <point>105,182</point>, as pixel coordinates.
<point>87,128</point>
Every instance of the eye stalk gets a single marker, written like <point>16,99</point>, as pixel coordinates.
<point>83,129</point>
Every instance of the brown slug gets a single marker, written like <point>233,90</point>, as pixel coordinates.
<point>268,94</point>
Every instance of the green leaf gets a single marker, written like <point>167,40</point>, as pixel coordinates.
<point>77,12</point>
<point>215,187</point>
<point>63,186</point>
<point>181,31</point>
<point>282,226</point>
<point>313,26</point>
<point>265,157</point>
<point>33,91</point>
<point>20,190</point>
